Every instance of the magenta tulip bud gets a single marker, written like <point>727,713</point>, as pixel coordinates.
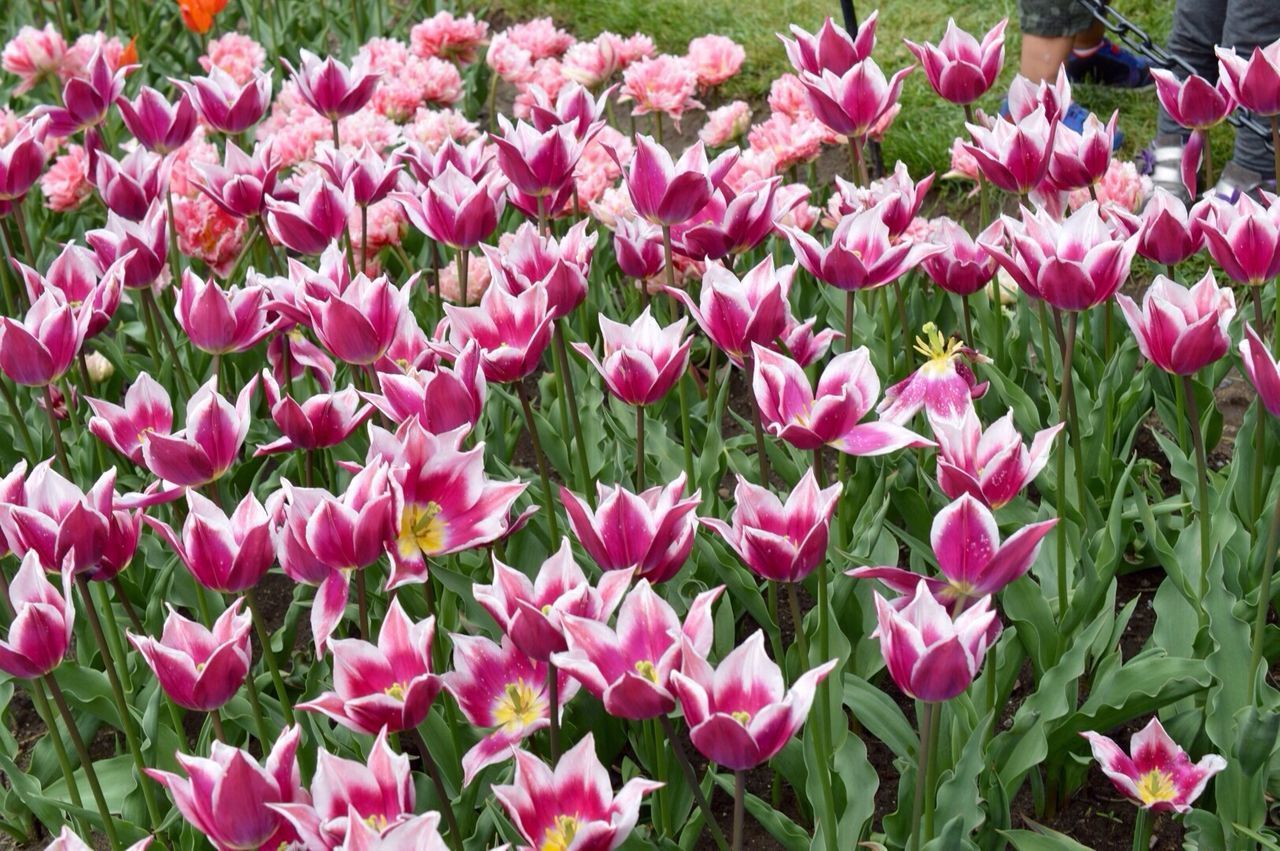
<point>1159,776</point>
<point>454,209</point>
<point>330,87</point>
<point>538,164</point>
<point>530,613</point>
<point>668,192</point>
<point>370,175</point>
<point>730,224</point>
<point>500,689</point>
<point>22,161</point>
<point>146,409</point>
<point>142,245</point>
<point>87,98</point>
<point>1178,329</point>
<point>243,183</point>
<point>1081,159</point>
<point>81,280</point>
<point>1166,233</point>
<point>1025,97</point>
<point>221,321</point>
<point>357,322</point>
<point>930,656</point>
<point>551,807</point>
<point>66,527</point>
<point>993,466</point>
<point>227,554</point>
<point>321,421</point>
<point>973,561</point>
<point>315,220</point>
<point>389,685</point>
<point>441,398</point>
<point>737,312</point>
<point>511,331</point>
<point>225,104</point>
<point>629,670</point>
<point>40,349</point>
<point>650,533</point>
<point>204,450</point>
<point>643,360</point>
<point>1072,264</point>
<point>959,68</point>
<point>846,392</point>
<point>159,126</point>
<point>1254,83</point>
<point>637,245</point>
<point>856,102</point>
<point>782,542</point>
<point>862,254</point>
<point>741,714</point>
<point>962,266</point>
<point>43,621</point>
<point>944,387</point>
<point>1014,156</point>
<point>228,796</point>
<point>1193,102</point>
<point>198,668</point>
<point>830,48</point>
<point>1244,238</point>
<point>1262,369</point>
<point>346,792</point>
<point>561,266</point>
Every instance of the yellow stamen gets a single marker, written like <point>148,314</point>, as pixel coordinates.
<point>743,718</point>
<point>395,691</point>
<point>1156,786</point>
<point>560,836</point>
<point>421,530</point>
<point>519,706</point>
<point>646,669</point>
<point>937,348</point>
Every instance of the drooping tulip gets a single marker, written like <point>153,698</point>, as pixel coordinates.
<point>228,796</point>
<point>1262,369</point>
<point>1253,82</point>
<point>1181,329</point>
<point>993,466</point>
<point>208,444</point>
<point>741,713</point>
<point>44,617</point>
<point>318,422</point>
<point>200,668</point>
<point>561,265</point>
<point>668,192</point>
<point>39,349</point>
<point>643,360</point>
<point>225,104</point>
<point>629,668</point>
<point>931,656</point>
<point>737,312</point>
<point>959,68</point>
<point>146,408</point>
<point>511,330</point>
<point>1014,155</point>
<point>330,87</point>
<point>157,124</point>
<point>1156,774</point>
<point>944,386</point>
<point>227,554</point>
<point>973,560</point>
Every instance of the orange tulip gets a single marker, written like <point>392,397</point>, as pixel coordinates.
<point>198,15</point>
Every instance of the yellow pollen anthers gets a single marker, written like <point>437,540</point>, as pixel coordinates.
<point>937,348</point>
<point>200,667</point>
<point>395,691</point>
<point>421,529</point>
<point>1156,786</point>
<point>743,718</point>
<point>518,706</point>
<point>377,821</point>
<point>646,669</point>
<point>560,835</point>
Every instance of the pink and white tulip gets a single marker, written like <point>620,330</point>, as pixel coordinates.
<point>1156,774</point>
<point>209,443</point>
<point>960,68</point>
<point>318,422</point>
<point>511,330</point>
<point>668,192</point>
<point>643,360</point>
<point>1181,329</point>
<point>200,668</point>
<point>330,87</point>
<point>944,386</point>
<point>561,266</point>
<point>1261,368</point>
<point>737,312</point>
<point>993,466</point>
<point>124,428</point>
<point>227,554</point>
<point>40,632</point>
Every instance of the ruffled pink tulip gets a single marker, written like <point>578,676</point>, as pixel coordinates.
<point>561,266</point>
<point>1253,82</point>
<point>512,331</point>
<point>1014,156</point>
<point>738,312</point>
<point>44,618</point>
<point>1262,369</point>
<point>643,360</point>
<point>39,350</point>
<point>1181,329</point>
<point>1158,776</point>
<point>1244,239</point>
<point>158,125</point>
<point>209,443</point>
<point>993,466</point>
<point>225,104</point>
<point>146,409</point>
<point>668,192</point>
<point>34,55</point>
<point>330,87</point>
<point>944,386</point>
<point>200,668</point>
<point>227,554</point>
<point>959,68</point>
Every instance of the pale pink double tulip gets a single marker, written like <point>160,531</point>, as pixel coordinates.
<point>511,330</point>
<point>856,102</point>
<point>389,685</point>
<point>931,656</point>
<point>643,360</point>
<point>44,617</point>
<point>454,209</point>
<point>830,415</point>
<point>572,805</point>
<point>1244,238</point>
<point>124,428</point>
<point>530,612</point>
<point>650,533</point>
<point>317,218</point>
<point>862,253</point>
<point>1014,155</point>
<point>1156,774</point>
<point>209,443</point>
<point>629,668</point>
<point>560,265</point>
<point>200,668</point>
<point>39,349</point>
<point>1262,369</point>
<point>226,105</point>
<point>780,541</point>
<point>993,466</point>
<point>1181,329</point>
<point>158,125</point>
<point>1167,234</point>
<point>1253,82</point>
<point>668,192</point>
<point>227,554</point>
<point>330,87</point>
<point>221,321</point>
<point>973,560</point>
<point>962,266</point>
<point>960,68</point>
<point>741,713</point>
<point>441,398</point>
<point>229,796</point>
<point>736,312</point>
<point>357,320</point>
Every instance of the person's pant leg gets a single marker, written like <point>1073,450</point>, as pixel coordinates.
<point>1197,26</point>
<point>1053,18</point>
<point>1249,24</point>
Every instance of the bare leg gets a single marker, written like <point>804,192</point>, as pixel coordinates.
<point>1042,56</point>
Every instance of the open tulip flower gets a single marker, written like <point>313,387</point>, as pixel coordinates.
<point>378,792</point>
<point>45,513</point>
<point>560,266</point>
<point>221,321</point>
<point>454,209</point>
<point>243,183</point>
<point>741,713</point>
<point>736,312</point>
<point>854,102</point>
<point>512,331</point>
<point>44,617</point>
<point>1262,369</point>
<point>1167,234</point>
<point>959,68</point>
<point>317,218</point>
<point>441,398</point>
<point>1253,82</point>
<point>1180,329</point>
<point>831,48</point>
<point>140,246</point>
<point>1244,238</point>
<point>330,87</point>
<point>571,806</point>
<point>85,285</point>
<point>208,444</point>
<point>974,562</point>
<point>389,685</point>
<point>1014,155</point>
<point>39,350</point>
<point>158,125</point>
<point>124,428</point>
<point>931,656</point>
<point>1156,774</point>
<point>411,833</point>
<point>731,223</point>
<point>504,691</point>
<point>993,466</point>
<point>231,781</point>
<point>227,554</point>
<point>200,668</point>
<point>862,255</point>
<point>643,360</point>
<point>944,387</point>
<point>651,532</point>
<point>832,414</point>
<point>629,668</point>
<point>669,192</point>
<point>225,104</point>
<point>320,421</point>
<point>529,613</point>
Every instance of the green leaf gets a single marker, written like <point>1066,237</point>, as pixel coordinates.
<point>789,834</point>
<point>1043,839</point>
<point>880,716</point>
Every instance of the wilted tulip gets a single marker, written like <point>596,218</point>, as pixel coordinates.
<point>208,444</point>
<point>643,360</point>
<point>1253,82</point>
<point>1180,329</point>
<point>742,714</point>
<point>227,554</point>
<point>1014,155</point>
<point>561,266</point>
<point>44,617</point>
<point>959,68</point>
<point>330,87</point>
<point>512,331</point>
<point>225,104</point>
<point>667,192</point>
<point>944,386</point>
<point>1159,776</point>
<point>930,656</point>
<point>198,668</point>
<point>993,466</point>
<point>157,124</point>
<point>737,312</point>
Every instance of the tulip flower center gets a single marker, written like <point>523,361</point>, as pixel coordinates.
<point>422,529</point>
<point>1156,786</point>
<point>518,706</point>
<point>395,691</point>
<point>646,669</point>
<point>377,821</point>
<point>743,718</point>
<point>938,349</point>
<point>560,835</point>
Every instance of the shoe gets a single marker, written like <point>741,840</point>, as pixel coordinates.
<point>1110,65</point>
<point>1165,156</point>
<point>1236,180</point>
<point>1075,117</point>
